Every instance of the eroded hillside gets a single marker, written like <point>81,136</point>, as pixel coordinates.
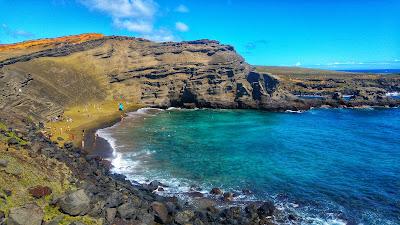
<point>41,78</point>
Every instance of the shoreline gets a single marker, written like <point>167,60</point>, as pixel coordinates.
<point>107,152</point>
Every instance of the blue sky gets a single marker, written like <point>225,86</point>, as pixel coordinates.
<point>334,34</point>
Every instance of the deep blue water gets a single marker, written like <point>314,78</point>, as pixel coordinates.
<point>329,166</point>
<point>382,71</point>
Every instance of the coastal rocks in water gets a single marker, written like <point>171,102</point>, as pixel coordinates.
<point>75,203</point>
<point>337,96</point>
<point>228,197</point>
<point>195,194</point>
<point>40,191</point>
<point>216,191</point>
<point>246,192</point>
<point>29,214</point>
<point>154,185</point>
<point>184,217</point>
<point>161,212</point>
<point>3,163</point>
<point>266,209</point>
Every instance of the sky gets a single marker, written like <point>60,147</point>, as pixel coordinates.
<point>329,34</point>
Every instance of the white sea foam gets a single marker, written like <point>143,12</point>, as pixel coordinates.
<point>294,111</point>
<point>393,94</point>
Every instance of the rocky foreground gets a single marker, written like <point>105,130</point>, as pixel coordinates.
<point>98,197</point>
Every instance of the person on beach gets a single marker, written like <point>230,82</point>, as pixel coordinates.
<point>83,138</point>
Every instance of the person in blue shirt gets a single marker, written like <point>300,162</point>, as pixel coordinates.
<point>121,107</point>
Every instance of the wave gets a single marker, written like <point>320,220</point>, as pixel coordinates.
<point>393,94</point>
<point>294,111</point>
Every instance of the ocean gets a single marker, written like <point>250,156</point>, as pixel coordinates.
<point>326,166</point>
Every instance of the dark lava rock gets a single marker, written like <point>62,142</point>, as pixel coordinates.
<point>12,141</point>
<point>3,162</point>
<point>77,223</point>
<point>246,192</point>
<point>29,214</point>
<point>40,191</point>
<point>114,200</point>
<point>68,145</point>
<point>127,211</point>
<point>266,209</point>
<point>2,217</point>
<point>184,217</point>
<point>154,185</point>
<point>337,96</point>
<point>216,191</point>
<point>228,197</point>
<point>161,212</point>
<point>195,194</point>
<point>8,192</point>
<point>292,217</point>
<point>75,203</point>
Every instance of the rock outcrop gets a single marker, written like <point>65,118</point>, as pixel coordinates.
<point>187,74</point>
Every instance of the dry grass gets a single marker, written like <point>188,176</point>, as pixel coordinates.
<point>86,117</point>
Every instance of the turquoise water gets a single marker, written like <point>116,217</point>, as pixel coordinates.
<point>329,166</point>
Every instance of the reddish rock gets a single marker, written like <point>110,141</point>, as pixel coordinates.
<point>40,191</point>
<point>216,191</point>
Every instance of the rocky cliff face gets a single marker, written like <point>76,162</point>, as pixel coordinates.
<point>201,73</point>
<point>40,78</point>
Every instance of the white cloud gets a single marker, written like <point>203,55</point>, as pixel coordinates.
<point>298,64</point>
<point>160,35</point>
<point>182,27</point>
<point>133,15</point>
<point>134,25</point>
<point>182,9</point>
<point>15,33</point>
<point>132,9</point>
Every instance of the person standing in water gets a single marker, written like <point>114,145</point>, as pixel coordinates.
<point>121,109</point>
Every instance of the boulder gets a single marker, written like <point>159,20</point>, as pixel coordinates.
<point>12,141</point>
<point>110,214</point>
<point>75,203</point>
<point>246,192</point>
<point>216,191</point>
<point>2,217</point>
<point>228,197</point>
<point>127,211</point>
<point>183,217</point>
<point>266,209</point>
<point>337,96</point>
<point>29,214</point>
<point>161,212</point>
<point>40,191</point>
<point>154,185</point>
<point>196,194</point>
<point>68,144</point>
<point>3,162</point>
<point>77,223</point>
<point>114,200</point>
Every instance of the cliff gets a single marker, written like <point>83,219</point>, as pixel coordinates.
<point>41,78</point>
